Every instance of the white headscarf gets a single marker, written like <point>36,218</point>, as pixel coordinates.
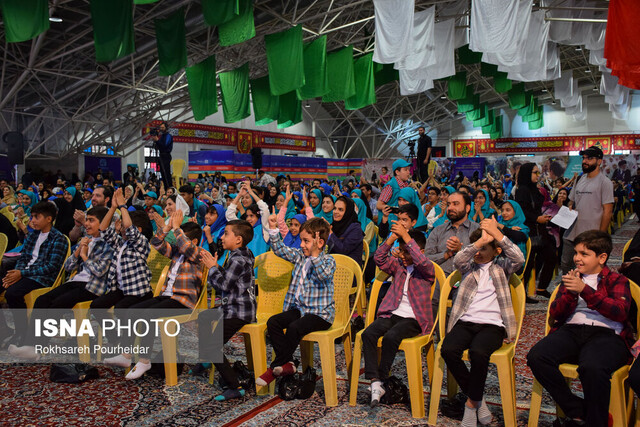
<point>181,205</point>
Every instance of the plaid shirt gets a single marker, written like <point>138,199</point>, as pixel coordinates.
<point>186,288</point>
<point>316,293</point>
<point>387,191</point>
<point>50,257</point>
<point>98,264</point>
<point>501,268</point>
<point>612,299</point>
<point>235,285</point>
<point>134,270</point>
<point>420,282</point>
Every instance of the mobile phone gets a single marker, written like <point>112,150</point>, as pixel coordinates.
<point>394,210</point>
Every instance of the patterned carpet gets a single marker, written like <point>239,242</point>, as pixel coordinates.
<point>29,398</point>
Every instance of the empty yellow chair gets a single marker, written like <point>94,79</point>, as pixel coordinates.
<point>412,348</point>
<point>3,244</point>
<point>503,358</point>
<point>32,296</point>
<point>620,404</point>
<point>177,167</point>
<point>346,270</point>
<point>626,247</point>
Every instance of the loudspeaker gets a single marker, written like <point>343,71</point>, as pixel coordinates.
<point>15,147</point>
<point>256,158</point>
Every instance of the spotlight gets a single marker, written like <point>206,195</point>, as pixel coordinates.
<point>443,97</point>
<point>55,19</point>
<point>307,105</point>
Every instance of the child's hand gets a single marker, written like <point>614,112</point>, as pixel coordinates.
<point>207,230</point>
<point>486,238</point>
<point>176,219</point>
<point>316,241</point>
<point>573,282</point>
<point>207,259</point>
<point>399,230</point>
<point>118,197</point>
<point>273,220</point>
<point>386,211</point>
<point>288,195</point>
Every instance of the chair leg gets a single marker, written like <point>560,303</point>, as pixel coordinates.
<point>258,358</point>
<point>306,354</point>
<point>328,363</point>
<point>430,361</point>
<point>348,356</point>
<point>169,348</point>
<point>355,369</point>
<point>617,401</point>
<point>414,374</point>
<point>436,387</point>
<point>536,402</point>
<point>507,393</point>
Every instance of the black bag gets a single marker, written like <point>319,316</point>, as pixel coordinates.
<point>72,373</point>
<point>307,384</point>
<point>288,387</point>
<point>244,376</point>
<point>395,391</point>
<point>157,365</point>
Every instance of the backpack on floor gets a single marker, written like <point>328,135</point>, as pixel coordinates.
<point>72,373</point>
<point>307,383</point>
<point>395,391</point>
<point>243,374</point>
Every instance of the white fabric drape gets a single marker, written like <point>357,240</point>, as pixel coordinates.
<point>534,65</point>
<point>394,24</point>
<point>515,53</point>
<point>575,97</point>
<point>423,41</point>
<point>617,96</point>
<point>559,31</point>
<point>563,86</point>
<point>411,86</point>
<point>457,10</point>
<point>497,25</point>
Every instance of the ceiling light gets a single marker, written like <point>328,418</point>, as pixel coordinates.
<point>443,97</point>
<point>588,70</point>
<point>578,49</point>
<point>553,102</point>
<point>595,88</point>
<point>55,19</point>
<point>544,91</point>
<point>307,105</point>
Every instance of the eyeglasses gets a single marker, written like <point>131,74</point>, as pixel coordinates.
<point>537,172</point>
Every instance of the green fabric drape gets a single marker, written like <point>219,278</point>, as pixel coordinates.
<point>517,98</point>
<point>457,88</point>
<point>537,124</point>
<point>234,90</point>
<point>290,111</point>
<point>172,43</point>
<point>316,81</point>
<point>285,60</point>
<point>341,79</point>
<point>201,79</point>
<point>477,113</point>
<point>240,28</point>
<point>467,56</point>
<point>384,73</point>
<point>530,107</point>
<point>218,12</point>
<point>24,19</point>
<point>144,1</point>
<point>502,83</point>
<point>470,102</point>
<point>494,126</point>
<point>486,119</point>
<point>266,107</point>
<point>112,28</point>
<point>488,70</point>
<point>364,84</point>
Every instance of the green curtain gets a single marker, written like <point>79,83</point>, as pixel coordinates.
<point>341,79</point>
<point>486,119</point>
<point>457,87</point>
<point>285,60</point>
<point>494,125</point>
<point>112,29</point>
<point>144,1</point>
<point>172,43</point>
<point>266,107</point>
<point>488,70</point>
<point>537,124</point>
<point>239,29</point>
<point>201,79</point>
<point>517,97</point>
<point>470,102</point>
<point>467,56</point>
<point>502,83</point>
<point>476,114</point>
<point>234,89</point>
<point>218,12</point>
<point>384,73</point>
<point>364,83</point>
<point>530,106</point>
<point>290,110</point>
<point>24,19</point>
<point>316,81</point>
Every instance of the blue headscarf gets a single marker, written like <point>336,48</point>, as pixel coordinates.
<point>32,197</point>
<point>486,210</point>
<point>291,240</point>
<point>257,245</point>
<point>291,209</point>
<point>298,199</point>
<point>517,221</point>
<point>410,195</point>
<point>71,190</point>
<point>326,187</point>
<point>220,222</point>
<point>317,209</point>
<point>358,192</point>
<point>364,222</point>
<point>328,216</point>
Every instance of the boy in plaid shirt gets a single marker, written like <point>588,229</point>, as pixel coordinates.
<point>234,284</point>
<point>482,314</point>
<point>591,329</point>
<point>405,311</point>
<point>308,305</point>
<point>181,290</point>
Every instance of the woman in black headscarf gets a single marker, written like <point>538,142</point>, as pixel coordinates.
<point>543,248</point>
<point>346,232</point>
<point>67,206</point>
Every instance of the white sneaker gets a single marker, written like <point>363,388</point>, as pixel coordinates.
<point>377,391</point>
<point>118,360</point>
<point>138,371</point>
<point>13,349</point>
<point>484,414</point>
<point>27,352</point>
<point>470,418</point>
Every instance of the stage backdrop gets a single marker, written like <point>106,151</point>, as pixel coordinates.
<point>106,164</point>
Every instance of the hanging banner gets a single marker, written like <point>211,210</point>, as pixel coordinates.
<point>464,148</point>
<point>243,139</point>
<point>604,143</point>
<point>94,164</point>
<point>468,166</point>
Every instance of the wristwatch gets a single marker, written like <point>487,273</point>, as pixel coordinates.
<point>122,207</point>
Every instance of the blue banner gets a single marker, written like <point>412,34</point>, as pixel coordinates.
<point>468,165</point>
<point>106,164</point>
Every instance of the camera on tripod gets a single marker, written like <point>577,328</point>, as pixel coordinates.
<point>154,132</point>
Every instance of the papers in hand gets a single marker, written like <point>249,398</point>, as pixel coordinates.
<point>565,217</point>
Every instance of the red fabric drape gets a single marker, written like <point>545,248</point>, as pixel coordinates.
<point>622,42</point>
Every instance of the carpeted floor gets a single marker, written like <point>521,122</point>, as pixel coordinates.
<point>29,398</point>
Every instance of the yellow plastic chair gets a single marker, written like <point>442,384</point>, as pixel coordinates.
<point>11,216</point>
<point>412,348</point>
<point>531,286</point>
<point>170,343</point>
<point>346,270</point>
<point>32,296</point>
<point>626,247</point>
<point>157,262</point>
<point>177,166</point>
<point>273,280</point>
<point>503,358</point>
<point>361,303</point>
<point>620,403</point>
<point>3,244</point>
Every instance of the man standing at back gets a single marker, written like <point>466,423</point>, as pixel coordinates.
<point>164,144</point>
<point>592,198</point>
<point>424,154</point>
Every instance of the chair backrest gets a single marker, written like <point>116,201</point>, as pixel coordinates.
<point>202,300</point>
<point>3,244</point>
<point>157,262</point>
<point>273,279</point>
<point>163,278</point>
<point>526,256</point>
<point>376,235</point>
<point>343,278</point>
<point>177,165</point>
<point>626,246</point>
<point>518,299</point>
<point>60,277</point>
<point>365,255</point>
<point>11,216</point>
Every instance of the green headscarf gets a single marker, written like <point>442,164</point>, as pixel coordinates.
<point>328,216</point>
<point>410,195</point>
<point>486,210</point>
<point>318,209</point>
<point>517,221</point>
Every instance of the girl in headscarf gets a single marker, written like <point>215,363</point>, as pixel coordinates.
<point>215,222</point>
<point>326,188</point>
<point>174,203</point>
<point>485,211</point>
<point>28,201</point>
<point>272,196</point>
<point>512,224</point>
<point>9,196</point>
<point>256,214</point>
<point>315,201</point>
<point>328,204</point>
<point>67,206</point>
<point>357,194</point>
<point>409,195</point>
<point>368,228</point>
<point>346,232</point>
<point>438,214</point>
<point>291,234</point>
